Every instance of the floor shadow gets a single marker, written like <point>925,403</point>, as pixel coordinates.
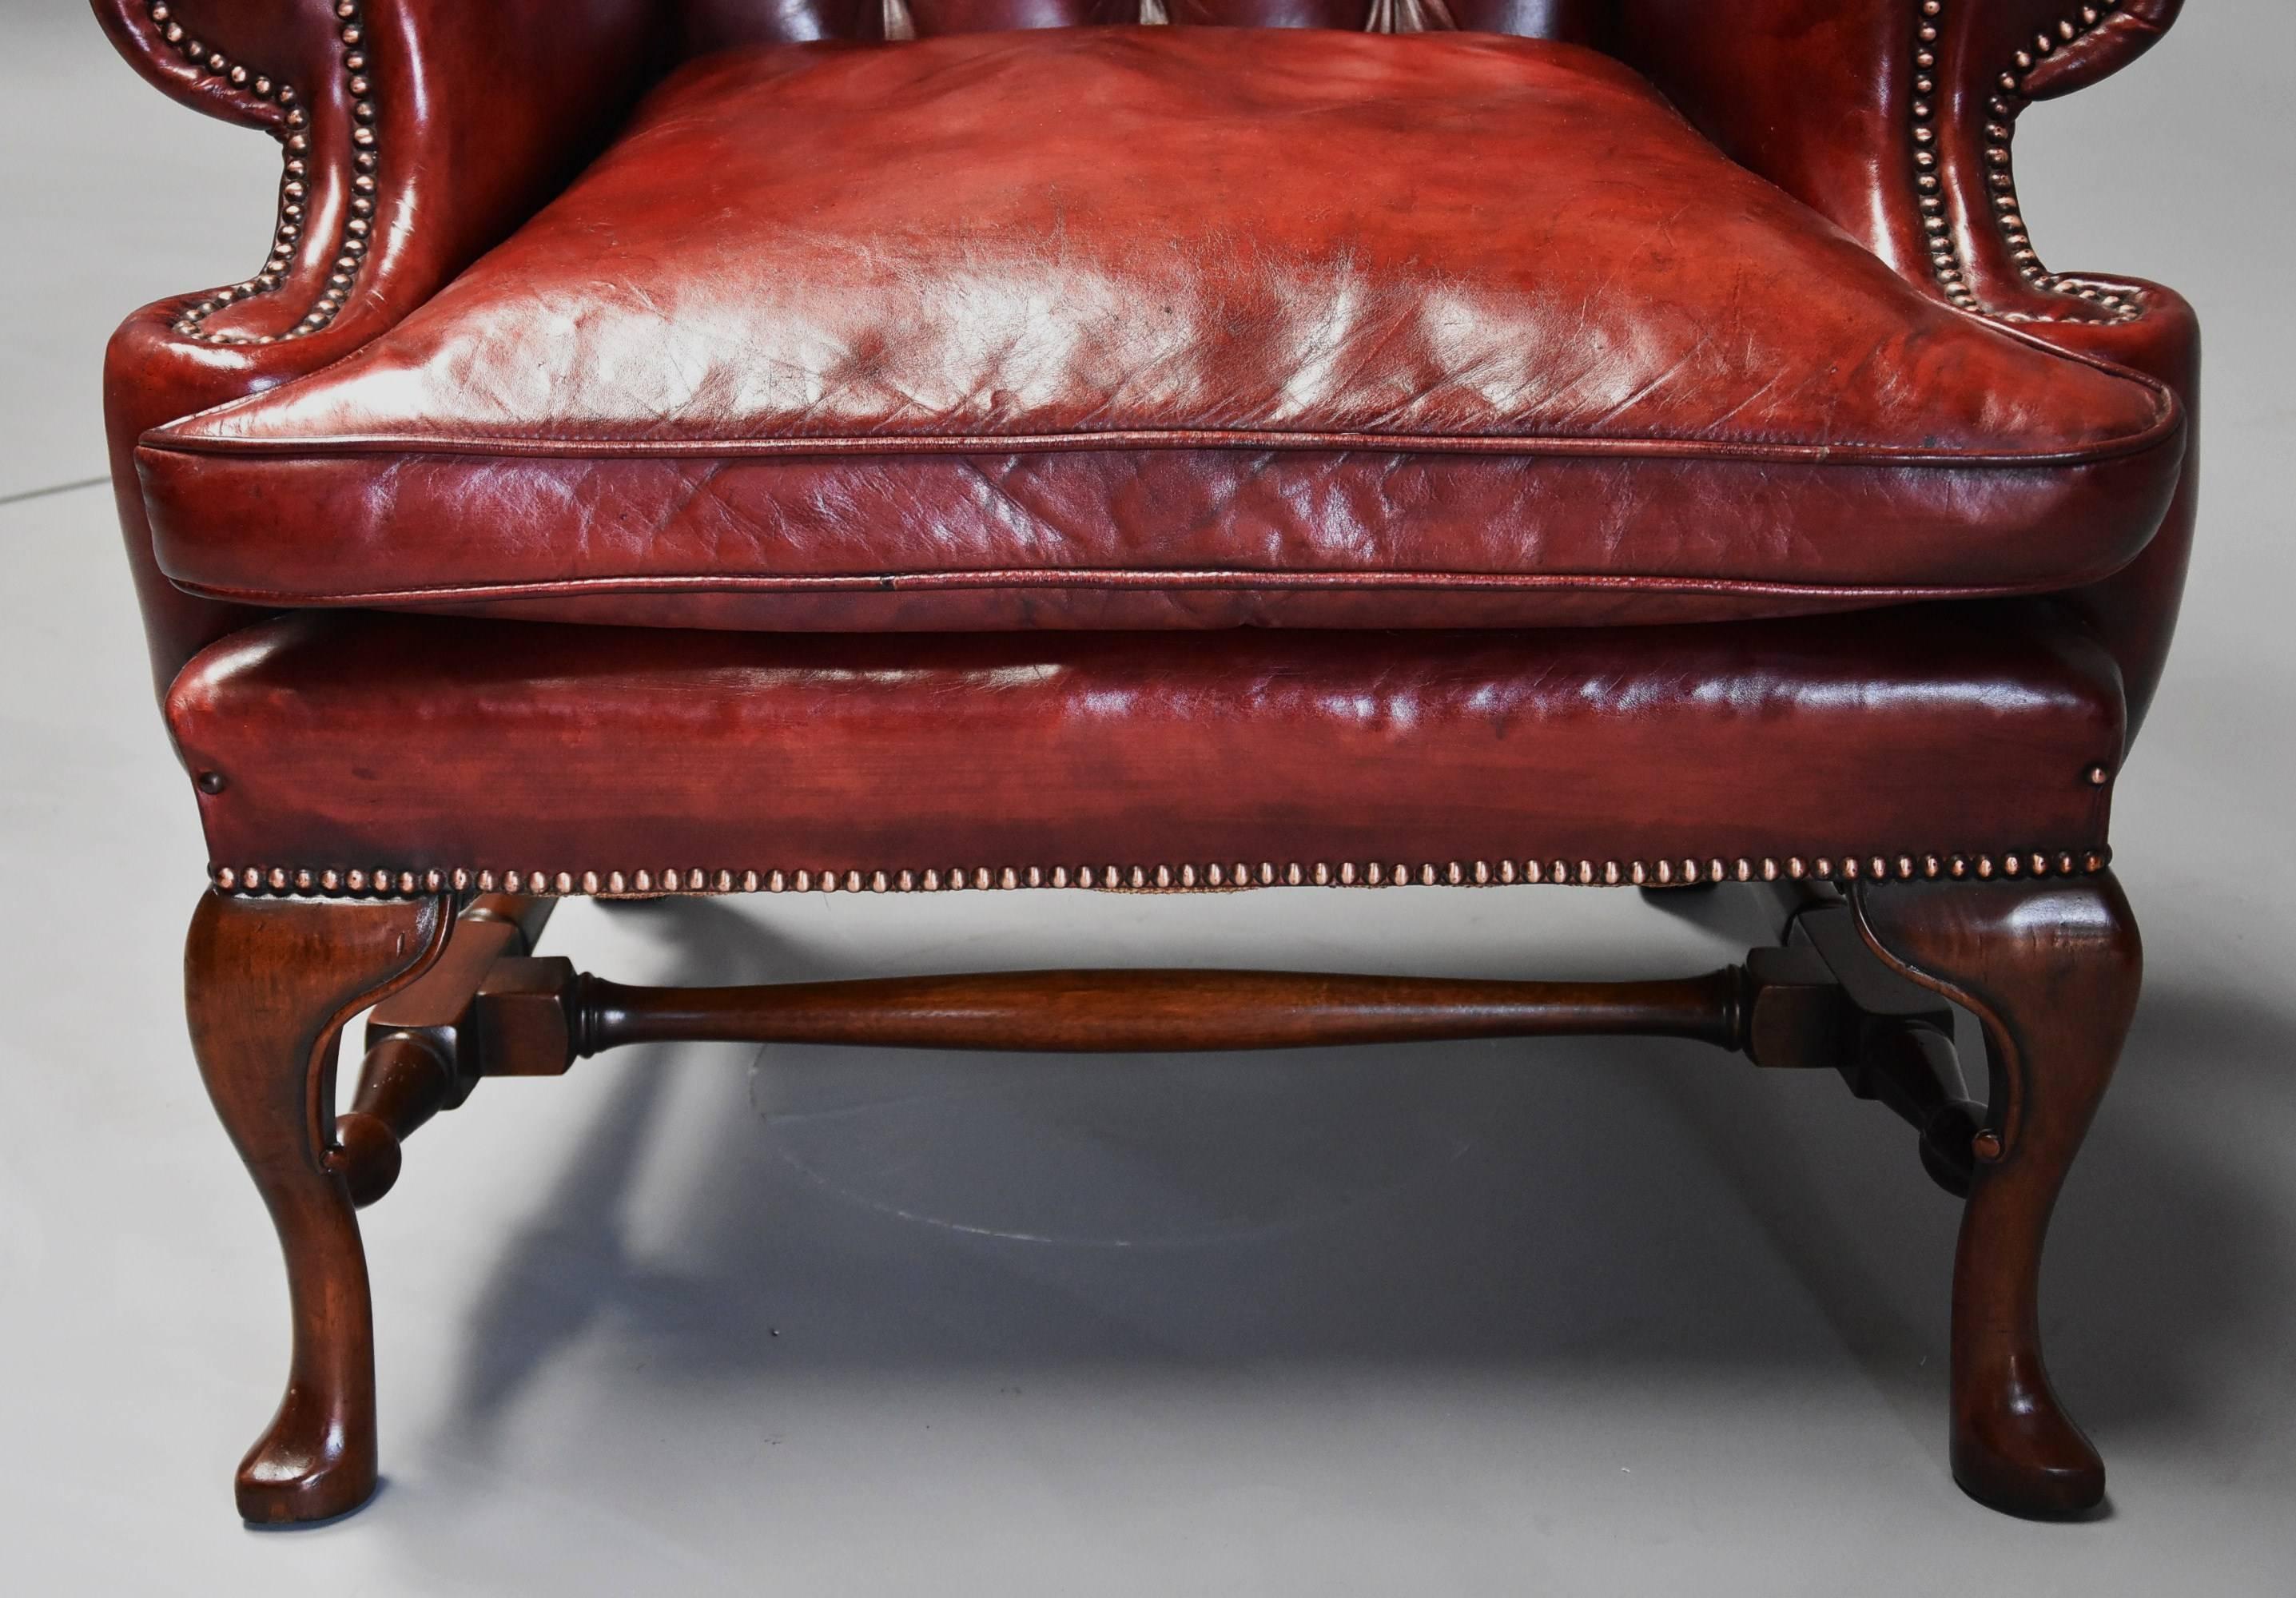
<point>2168,1267</point>
<point>1597,1203</point>
<point>569,1266</point>
<point>2166,1270</point>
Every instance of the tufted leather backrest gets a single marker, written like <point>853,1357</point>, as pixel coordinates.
<point>716,24</point>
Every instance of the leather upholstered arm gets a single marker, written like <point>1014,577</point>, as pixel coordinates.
<point>1897,118</point>
<point>416,133</point>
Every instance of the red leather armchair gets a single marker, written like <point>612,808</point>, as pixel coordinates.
<point>971,445</point>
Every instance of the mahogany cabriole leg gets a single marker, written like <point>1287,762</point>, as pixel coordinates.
<point>2052,971</point>
<point>269,984</point>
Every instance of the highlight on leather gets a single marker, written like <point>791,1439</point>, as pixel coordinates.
<point>358,241</point>
<point>718,24</point>
<point>542,77</point>
<point>2094,50</point>
<point>705,757</point>
<point>226,58</point>
<point>1352,379</point>
<point>1896,118</point>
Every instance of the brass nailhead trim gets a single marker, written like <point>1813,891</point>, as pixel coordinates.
<point>366,157</point>
<point>1946,262</point>
<point>1945,256</point>
<point>2008,215</point>
<point>1213,877</point>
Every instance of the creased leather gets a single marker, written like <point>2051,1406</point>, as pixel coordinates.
<point>1824,97</point>
<point>986,321</point>
<point>557,749</point>
<point>716,24</point>
<point>483,111</point>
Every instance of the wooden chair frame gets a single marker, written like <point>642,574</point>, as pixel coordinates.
<point>1856,982</point>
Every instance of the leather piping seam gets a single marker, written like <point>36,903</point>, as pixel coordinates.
<point>1121,580</point>
<point>294,134</point>
<point>2167,419</point>
<point>1212,878</point>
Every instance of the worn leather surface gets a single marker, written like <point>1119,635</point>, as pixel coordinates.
<point>716,24</point>
<point>1866,109</point>
<point>1121,327</point>
<point>482,113</point>
<point>2134,611</point>
<point>1896,119</point>
<point>364,741</point>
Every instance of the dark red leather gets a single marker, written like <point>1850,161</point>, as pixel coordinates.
<point>1897,118</point>
<point>1169,327</point>
<point>716,24</point>
<point>709,25</point>
<point>2134,611</point>
<point>480,112</point>
<point>600,751</point>
<point>1884,114</point>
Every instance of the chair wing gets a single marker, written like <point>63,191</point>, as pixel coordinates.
<point>419,133</point>
<point>1896,118</point>
<point>416,134</point>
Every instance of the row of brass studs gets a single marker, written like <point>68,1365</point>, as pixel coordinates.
<point>2004,105</point>
<point>294,186</point>
<point>1945,256</point>
<point>1167,879</point>
<point>1946,263</point>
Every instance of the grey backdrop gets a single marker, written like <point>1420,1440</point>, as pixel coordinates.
<point>1593,1318</point>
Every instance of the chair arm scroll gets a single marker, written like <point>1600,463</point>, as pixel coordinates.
<point>415,135</point>
<point>1977,65</point>
<point>2092,42</point>
<point>1896,119</point>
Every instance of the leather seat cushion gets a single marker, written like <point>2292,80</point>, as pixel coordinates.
<point>609,760</point>
<point>1155,327</point>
